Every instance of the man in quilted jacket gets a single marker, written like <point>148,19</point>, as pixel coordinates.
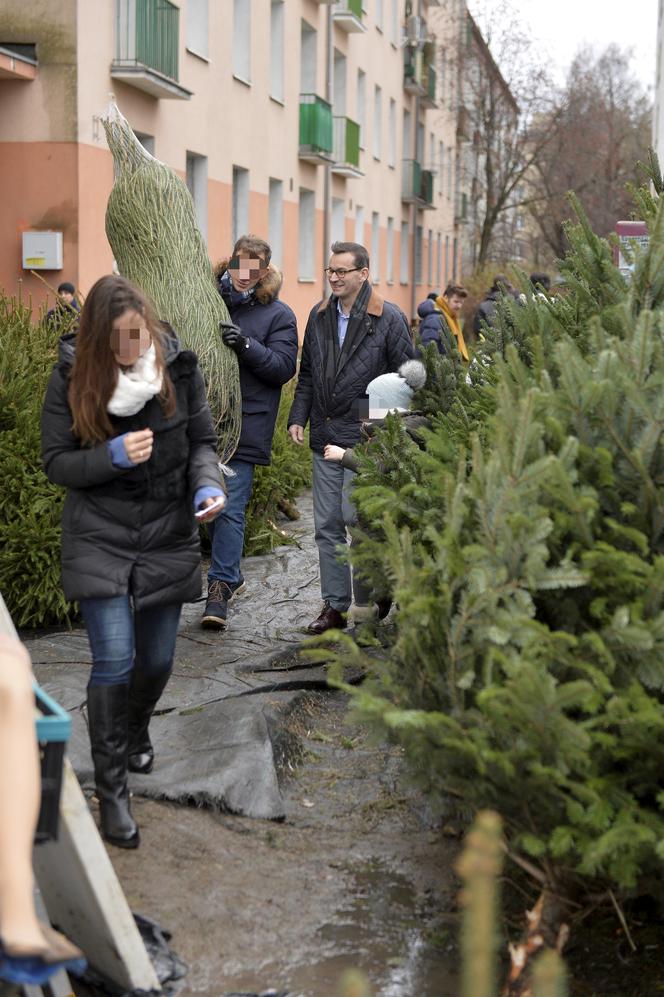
<point>351,337</point>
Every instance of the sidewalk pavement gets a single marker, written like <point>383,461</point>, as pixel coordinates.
<point>219,732</point>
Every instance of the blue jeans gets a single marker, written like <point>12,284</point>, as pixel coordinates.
<point>121,639</point>
<point>227,530</point>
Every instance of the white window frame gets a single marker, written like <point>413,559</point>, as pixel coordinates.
<point>378,123</point>
<point>197,182</point>
<point>277,20</point>
<point>362,105</point>
<point>242,41</point>
<point>389,266</point>
<point>405,255</point>
<point>198,28</point>
<point>375,246</point>
<point>359,224</point>
<point>240,219</point>
<point>275,225</point>
<point>306,265</point>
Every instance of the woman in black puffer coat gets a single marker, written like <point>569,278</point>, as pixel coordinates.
<point>127,430</point>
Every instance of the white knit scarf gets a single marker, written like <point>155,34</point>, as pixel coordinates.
<point>136,385</point>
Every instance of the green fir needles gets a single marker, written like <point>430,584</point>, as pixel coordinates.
<point>151,226</point>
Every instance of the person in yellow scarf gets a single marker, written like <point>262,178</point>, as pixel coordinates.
<point>450,303</point>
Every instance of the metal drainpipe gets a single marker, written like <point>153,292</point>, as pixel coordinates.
<point>413,257</point>
<point>327,168</point>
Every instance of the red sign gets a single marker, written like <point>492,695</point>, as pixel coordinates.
<point>635,236</point>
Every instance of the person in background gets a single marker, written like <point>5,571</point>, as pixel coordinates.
<point>449,304</point>
<point>485,312</point>
<point>430,317</point>
<point>350,338</point>
<point>63,316</point>
<point>541,284</point>
<point>126,428</point>
<point>263,334</point>
<point>391,392</point>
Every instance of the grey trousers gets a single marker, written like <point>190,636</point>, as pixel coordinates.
<point>333,512</point>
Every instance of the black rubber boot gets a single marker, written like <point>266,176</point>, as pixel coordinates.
<point>144,694</point>
<point>107,718</point>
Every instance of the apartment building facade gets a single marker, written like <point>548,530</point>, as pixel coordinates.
<point>303,121</point>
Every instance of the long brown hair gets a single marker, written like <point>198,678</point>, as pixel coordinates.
<point>95,372</point>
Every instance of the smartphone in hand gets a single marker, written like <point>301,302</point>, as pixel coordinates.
<point>217,506</point>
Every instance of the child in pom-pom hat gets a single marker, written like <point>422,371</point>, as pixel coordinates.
<point>391,392</point>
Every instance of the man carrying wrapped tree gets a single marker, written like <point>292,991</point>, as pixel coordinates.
<point>263,334</point>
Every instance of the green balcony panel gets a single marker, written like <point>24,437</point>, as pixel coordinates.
<point>411,180</point>
<point>147,35</point>
<point>315,125</point>
<point>426,187</point>
<point>431,84</point>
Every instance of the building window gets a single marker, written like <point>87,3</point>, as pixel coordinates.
<point>197,27</point>
<point>379,14</point>
<point>430,259</point>
<point>242,40</point>
<point>447,260</point>
<point>277,50</point>
<point>197,182</point>
<point>450,171</point>
<point>339,84</point>
<point>439,262</point>
<point>362,105</point>
<point>404,253</point>
<point>394,23</point>
<point>240,202</point>
<point>147,141</point>
<point>441,166</point>
<point>359,224</point>
<point>392,133</point>
<point>375,246</point>
<point>378,122</point>
<point>307,235</point>
<point>418,254</point>
<point>308,45</point>
<point>275,213</point>
<point>389,266</point>
<point>407,138</point>
<point>338,226</point>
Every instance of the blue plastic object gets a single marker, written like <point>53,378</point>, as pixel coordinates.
<point>35,971</point>
<point>54,724</point>
<point>53,731</point>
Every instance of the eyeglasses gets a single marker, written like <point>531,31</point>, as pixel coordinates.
<point>340,272</point>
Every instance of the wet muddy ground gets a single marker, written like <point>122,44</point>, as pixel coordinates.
<point>352,877</point>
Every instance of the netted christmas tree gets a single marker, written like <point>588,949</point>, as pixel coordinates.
<point>524,544</point>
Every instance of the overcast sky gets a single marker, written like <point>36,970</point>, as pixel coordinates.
<point>562,26</point>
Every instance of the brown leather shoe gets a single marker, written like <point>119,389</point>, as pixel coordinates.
<point>329,619</point>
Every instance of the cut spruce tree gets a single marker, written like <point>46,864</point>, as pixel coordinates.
<point>524,546</point>
<point>152,228</point>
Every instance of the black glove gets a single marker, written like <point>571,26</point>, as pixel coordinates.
<point>232,337</point>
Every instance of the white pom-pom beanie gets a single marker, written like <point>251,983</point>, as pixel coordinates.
<point>394,391</point>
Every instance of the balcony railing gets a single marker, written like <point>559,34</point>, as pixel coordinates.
<point>412,71</point>
<point>429,86</point>
<point>346,148</point>
<point>348,15</point>
<point>315,129</point>
<point>417,184</point>
<point>146,50</point>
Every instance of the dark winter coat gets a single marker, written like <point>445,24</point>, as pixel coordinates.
<point>484,313</point>
<point>132,530</point>
<point>267,364</point>
<point>332,382</point>
<point>431,322</point>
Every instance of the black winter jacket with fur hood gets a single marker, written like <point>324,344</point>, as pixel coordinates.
<point>132,530</point>
<point>268,362</point>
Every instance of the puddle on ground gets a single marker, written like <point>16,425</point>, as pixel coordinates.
<point>385,931</point>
